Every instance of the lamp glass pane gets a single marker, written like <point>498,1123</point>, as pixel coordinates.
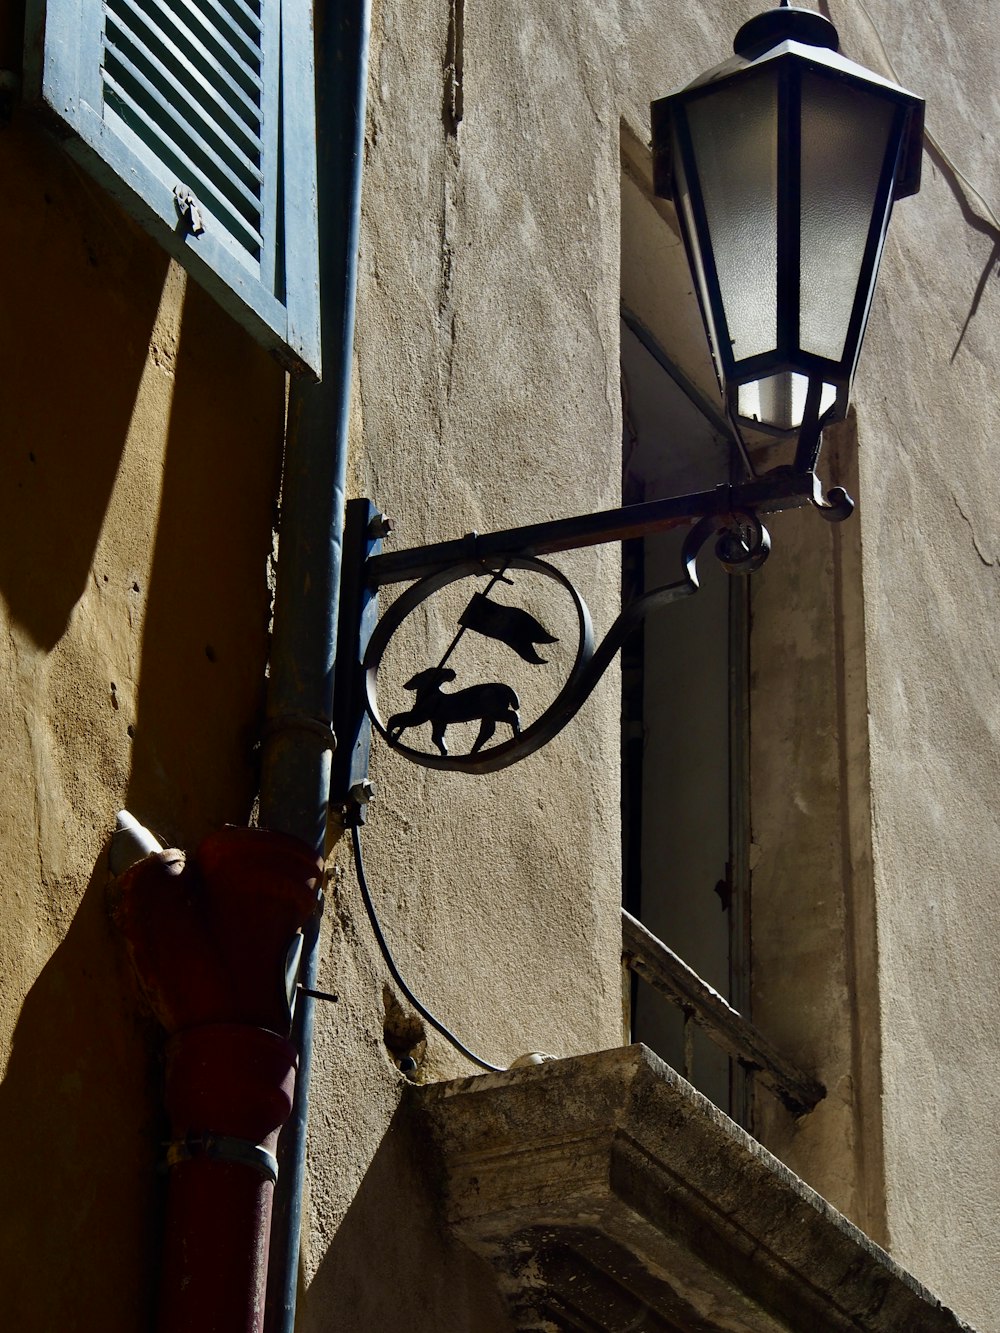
<point>845,138</point>
<point>780,400</point>
<point>735,143</point>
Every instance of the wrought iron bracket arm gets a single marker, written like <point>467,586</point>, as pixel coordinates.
<point>780,489</point>
<point>835,505</point>
<point>728,511</point>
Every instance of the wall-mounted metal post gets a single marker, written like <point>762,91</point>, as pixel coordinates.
<point>298,745</point>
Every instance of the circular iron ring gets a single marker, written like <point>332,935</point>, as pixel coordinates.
<point>534,736</point>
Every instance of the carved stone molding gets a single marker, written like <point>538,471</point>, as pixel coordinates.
<point>609,1195</point>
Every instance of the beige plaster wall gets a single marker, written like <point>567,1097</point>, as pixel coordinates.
<point>875,738</point>
<point>927,414</point>
<point>487,379</point>
<point>140,438</point>
<point>815,983</point>
<point>140,446</point>
<point>487,394</point>
<point>876,852</point>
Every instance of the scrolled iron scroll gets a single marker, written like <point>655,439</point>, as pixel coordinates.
<point>743,546</point>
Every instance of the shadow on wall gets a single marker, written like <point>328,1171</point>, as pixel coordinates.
<point>79,1121</point>
<point>200,701</point>
<point>391,1266</point>
<point>73,348</point>
<point>977,222</point>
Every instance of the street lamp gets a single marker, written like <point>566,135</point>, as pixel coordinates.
<point>783,164</point>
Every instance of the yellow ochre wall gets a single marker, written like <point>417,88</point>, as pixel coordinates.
<point>140,444</point>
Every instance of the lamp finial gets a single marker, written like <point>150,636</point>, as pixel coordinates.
<point>785,23</point>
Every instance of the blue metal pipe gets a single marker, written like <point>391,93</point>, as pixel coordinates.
<point>298,742</point>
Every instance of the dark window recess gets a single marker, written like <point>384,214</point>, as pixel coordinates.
<point>684,800</point>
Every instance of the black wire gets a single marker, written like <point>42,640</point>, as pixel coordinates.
<point>394,970</point>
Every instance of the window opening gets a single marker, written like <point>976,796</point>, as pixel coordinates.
<point>684,719</point>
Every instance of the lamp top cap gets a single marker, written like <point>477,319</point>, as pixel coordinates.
<point>785,24</point>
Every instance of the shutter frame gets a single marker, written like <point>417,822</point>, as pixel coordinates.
<point>275,297</point>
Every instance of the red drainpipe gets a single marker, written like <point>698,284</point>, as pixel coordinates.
<point>209,938</point>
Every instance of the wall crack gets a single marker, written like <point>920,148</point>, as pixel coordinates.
<point>990,564</point>
<point>454,69</point>
<point>452,113</point>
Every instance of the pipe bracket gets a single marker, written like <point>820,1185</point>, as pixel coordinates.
<point>224,1148</point>
<point>300,722</point>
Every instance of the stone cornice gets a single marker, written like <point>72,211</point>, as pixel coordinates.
<point>609,1194</point>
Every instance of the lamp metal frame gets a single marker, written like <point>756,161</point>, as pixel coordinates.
<point>766,48</point>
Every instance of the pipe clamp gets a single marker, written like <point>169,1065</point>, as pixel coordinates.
<point>224,1148</point>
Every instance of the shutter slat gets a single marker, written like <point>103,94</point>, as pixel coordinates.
<point>218,62</point>
<point>159,46</point>
<point>244,59</point>
<point>212,124</point>
<point>166,123</point>
<point>248,16</point>
<point>155,137</point>
<point>231,31</point>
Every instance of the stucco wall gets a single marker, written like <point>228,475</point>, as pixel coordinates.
<point>487,379</point>
<point>140,440</point>
<point>899,875</point>
<point>927,412</point>
<point>486,376</point>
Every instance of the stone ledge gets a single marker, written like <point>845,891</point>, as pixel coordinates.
<point>609,1195</point>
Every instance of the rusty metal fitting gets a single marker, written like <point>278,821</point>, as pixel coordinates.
<point>381,527</point>
<point>363,792</point>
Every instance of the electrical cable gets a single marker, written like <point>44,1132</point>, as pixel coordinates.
<point>394,971</point>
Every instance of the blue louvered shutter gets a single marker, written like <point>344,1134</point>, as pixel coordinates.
<point>180,108</point>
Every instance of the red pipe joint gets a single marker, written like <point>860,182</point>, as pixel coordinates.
<point>209,936</point>
<point>209,939</point>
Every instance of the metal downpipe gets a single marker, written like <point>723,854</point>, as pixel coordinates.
<point>297,748</point>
